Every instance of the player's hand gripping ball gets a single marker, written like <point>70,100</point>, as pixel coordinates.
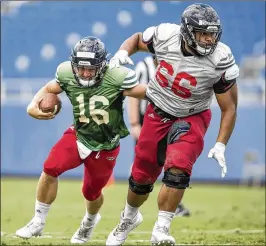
<point>50,103</point>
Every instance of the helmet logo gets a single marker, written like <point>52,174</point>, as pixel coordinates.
<point>84,63</point>
<point>212,28</point>
<point>206,23</point>
<point>85,54</point>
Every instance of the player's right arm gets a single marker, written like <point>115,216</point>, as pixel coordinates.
<point>137,42</point>
<point>146,41</point>
<point>52,86</point>
<point>33,108</point>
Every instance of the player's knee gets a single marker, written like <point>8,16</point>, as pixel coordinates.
<point>175,178</point>
<point>51,170</point>
<point>90,194</point>
<point>139,189</point>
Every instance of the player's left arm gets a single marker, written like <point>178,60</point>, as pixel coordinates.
<point>226,94</point>
<point>227,102</point>
<point>138,91</point>
<point>131,86</point>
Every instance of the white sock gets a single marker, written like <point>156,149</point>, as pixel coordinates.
<point>130,212</point>
<point>41,210</point>
<point>165,218</point>
<point>89,218</point>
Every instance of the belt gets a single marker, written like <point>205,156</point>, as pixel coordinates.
<point>162,113</point>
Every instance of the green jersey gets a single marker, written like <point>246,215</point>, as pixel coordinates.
<point>98,110</point>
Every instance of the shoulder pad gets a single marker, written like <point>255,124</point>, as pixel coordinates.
<point>63,70</point>
<point>166,30</point>
<point>223,57</point>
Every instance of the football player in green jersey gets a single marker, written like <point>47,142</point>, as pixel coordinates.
<point>96,94</point>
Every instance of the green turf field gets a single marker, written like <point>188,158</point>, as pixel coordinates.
<point>225,215</point>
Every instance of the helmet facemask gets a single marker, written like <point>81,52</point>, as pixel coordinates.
<point>200,18</point>
<point>88,82</point>
<point>201,48</point>
<point>89,53</point>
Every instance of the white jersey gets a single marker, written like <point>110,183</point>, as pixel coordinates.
<point>183,85</point>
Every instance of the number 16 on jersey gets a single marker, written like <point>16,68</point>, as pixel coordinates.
<point>93,112</point>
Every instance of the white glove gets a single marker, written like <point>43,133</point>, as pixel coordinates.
<point>217,153</point>
<point>120,58</point>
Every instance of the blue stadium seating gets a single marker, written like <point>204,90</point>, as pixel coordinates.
<point>39,23</point>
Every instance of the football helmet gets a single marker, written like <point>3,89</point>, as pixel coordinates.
<point>89,53</point>
<point>202,18</point>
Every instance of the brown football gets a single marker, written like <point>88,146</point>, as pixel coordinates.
<point>50,103</point>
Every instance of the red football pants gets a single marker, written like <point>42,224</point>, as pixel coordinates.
<point>181,154</point>
<point>98,166</point>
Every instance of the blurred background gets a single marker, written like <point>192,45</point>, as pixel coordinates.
<point>37,36</point>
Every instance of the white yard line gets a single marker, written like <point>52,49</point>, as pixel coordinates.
<point>236,230</point>
<point>65,234</point>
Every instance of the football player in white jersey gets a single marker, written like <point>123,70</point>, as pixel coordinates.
<point>193,66</point>
<point>145,70</point>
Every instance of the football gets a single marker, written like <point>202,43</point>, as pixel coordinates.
<point>50,103</point>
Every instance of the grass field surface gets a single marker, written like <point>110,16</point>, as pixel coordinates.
<point>220,215</point>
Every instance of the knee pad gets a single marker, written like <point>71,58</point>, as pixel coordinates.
<point>176,180</point>
<point>139,189</point>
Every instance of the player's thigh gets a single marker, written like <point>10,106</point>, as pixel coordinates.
<point>148,164</point>
<point>188,146</point>
<point>98,168</point>
<point>64,155</point>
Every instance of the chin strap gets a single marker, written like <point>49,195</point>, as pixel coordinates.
<point>87,83</point>
<point>203,51</point>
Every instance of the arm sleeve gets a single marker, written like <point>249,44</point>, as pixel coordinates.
<point>223,86</point>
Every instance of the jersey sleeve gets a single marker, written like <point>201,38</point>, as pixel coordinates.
<point>147,38</point>
<point>225,63</point>
<point>155,35</point>
<point>163,33</point>
<point>225,58</point>
<point>130,80</point>
<point>63,73</point>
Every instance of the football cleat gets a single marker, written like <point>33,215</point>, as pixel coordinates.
<point>84,232</point>
<point>119,234</point>
<point>160,236</point>
<point>181,211</point>
<point>33,229</point>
